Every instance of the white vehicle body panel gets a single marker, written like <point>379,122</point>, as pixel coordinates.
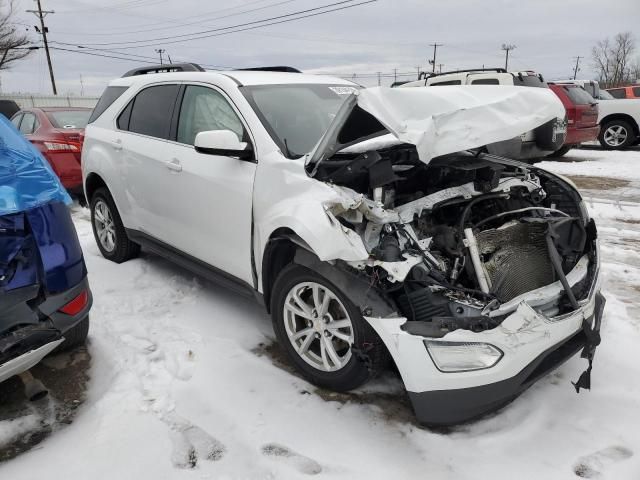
<point>27,361</point>
<point>629,107</point>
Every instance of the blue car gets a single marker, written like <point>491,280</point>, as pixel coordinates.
<point>44,292</point>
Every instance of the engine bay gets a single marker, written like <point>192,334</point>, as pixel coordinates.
<point>459,242</point>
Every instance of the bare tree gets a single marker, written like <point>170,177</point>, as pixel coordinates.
<point>14,45</point>
<point>613,60</point>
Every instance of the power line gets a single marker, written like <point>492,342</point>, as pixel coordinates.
<point>254,24</point>
<point>41,14</point>
<point>201,20</point>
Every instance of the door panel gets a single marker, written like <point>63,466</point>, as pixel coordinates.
<point>210,196</point>
<point>143,141</point>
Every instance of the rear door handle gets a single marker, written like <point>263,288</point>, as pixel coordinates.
<point>174,165</point>
<point>117,145</point>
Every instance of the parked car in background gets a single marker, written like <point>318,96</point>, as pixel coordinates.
<point>632,91</point>
<point>534,144</point>
<point>44,292</point>
<point>8,108</point>
<point>355,219</point>
<point>619,122</point>
<point>582,116</point>
<point>57,132</point>
<point>591,86</point>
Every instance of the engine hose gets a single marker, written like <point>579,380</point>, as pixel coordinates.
<point>556,261</point>
<point>467,209</point>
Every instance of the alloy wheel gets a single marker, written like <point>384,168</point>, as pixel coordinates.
<point>615,135</point>
<point>105,228</point>
<point>318,326</point>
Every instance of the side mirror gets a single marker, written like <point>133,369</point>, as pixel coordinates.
<point>224,143</point>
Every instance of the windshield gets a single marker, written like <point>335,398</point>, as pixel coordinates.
<point>296,116</point>
<point>69,118</point>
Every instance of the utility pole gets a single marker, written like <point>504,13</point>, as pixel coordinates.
<point>435,50</point>
<point>81,86</point>
<point>169,57</point>
<point>440,65</point>
<point>507,47</point>
<point>160,51</point>
<point>395,75</point>
<point>41,14</point>
<point>575,70</point>
<point>418,68</point>
<point>379,78</point>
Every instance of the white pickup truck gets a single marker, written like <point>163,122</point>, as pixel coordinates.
<point>620,123</point>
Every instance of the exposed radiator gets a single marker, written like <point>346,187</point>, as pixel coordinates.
<point>516,259</point>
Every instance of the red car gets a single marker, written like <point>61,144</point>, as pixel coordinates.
<point>58,133</point>
<point>582,116</point>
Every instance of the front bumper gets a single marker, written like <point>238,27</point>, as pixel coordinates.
<point>533,345</point>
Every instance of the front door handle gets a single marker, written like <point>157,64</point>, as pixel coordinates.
<point>174,165</point>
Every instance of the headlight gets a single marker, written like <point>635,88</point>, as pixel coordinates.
<point>462,356</point>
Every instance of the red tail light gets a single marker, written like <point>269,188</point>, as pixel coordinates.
<point>76,305</point>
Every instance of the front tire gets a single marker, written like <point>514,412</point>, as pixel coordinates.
<point>616,135</point>
<point>108,229</point>
<point>323,332</point>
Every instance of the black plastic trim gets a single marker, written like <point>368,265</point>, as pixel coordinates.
<point>191,263</point>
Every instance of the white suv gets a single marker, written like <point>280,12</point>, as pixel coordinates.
<point>366,221</point>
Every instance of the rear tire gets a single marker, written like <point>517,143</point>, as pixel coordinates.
<point>108,230</point>
<point>562,152</point>
<point>336,357</point>
<point>617,135</point>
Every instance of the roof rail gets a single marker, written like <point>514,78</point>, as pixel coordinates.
<point>166,68</point>
<point>424,75</point>
<point>280,68</point>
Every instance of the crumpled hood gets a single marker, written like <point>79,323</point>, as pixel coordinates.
<point>437,120</point>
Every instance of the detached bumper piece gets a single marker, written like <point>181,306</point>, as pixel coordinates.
<point>450,407</point>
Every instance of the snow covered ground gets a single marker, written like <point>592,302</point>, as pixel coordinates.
<point>179,379</point>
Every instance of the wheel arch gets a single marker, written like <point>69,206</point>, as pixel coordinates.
<point>93,183</point>
<point>622,116</point>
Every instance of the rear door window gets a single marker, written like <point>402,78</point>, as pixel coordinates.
<point>29,124</point>
<point>579,96</point>
<point>152,110</point>
<point>16,121</point>
<point>110,95</point>
<point>617,92</point>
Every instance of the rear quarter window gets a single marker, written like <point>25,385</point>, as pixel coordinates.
<point>636,91</point>
<point>486,81</point>
<point>110,95</point>
<point>617,93</point>
<point>446,82</point>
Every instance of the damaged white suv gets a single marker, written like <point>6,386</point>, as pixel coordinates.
<point>366,221</point>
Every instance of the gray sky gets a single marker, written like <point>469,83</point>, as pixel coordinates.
<point>376,37</point>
